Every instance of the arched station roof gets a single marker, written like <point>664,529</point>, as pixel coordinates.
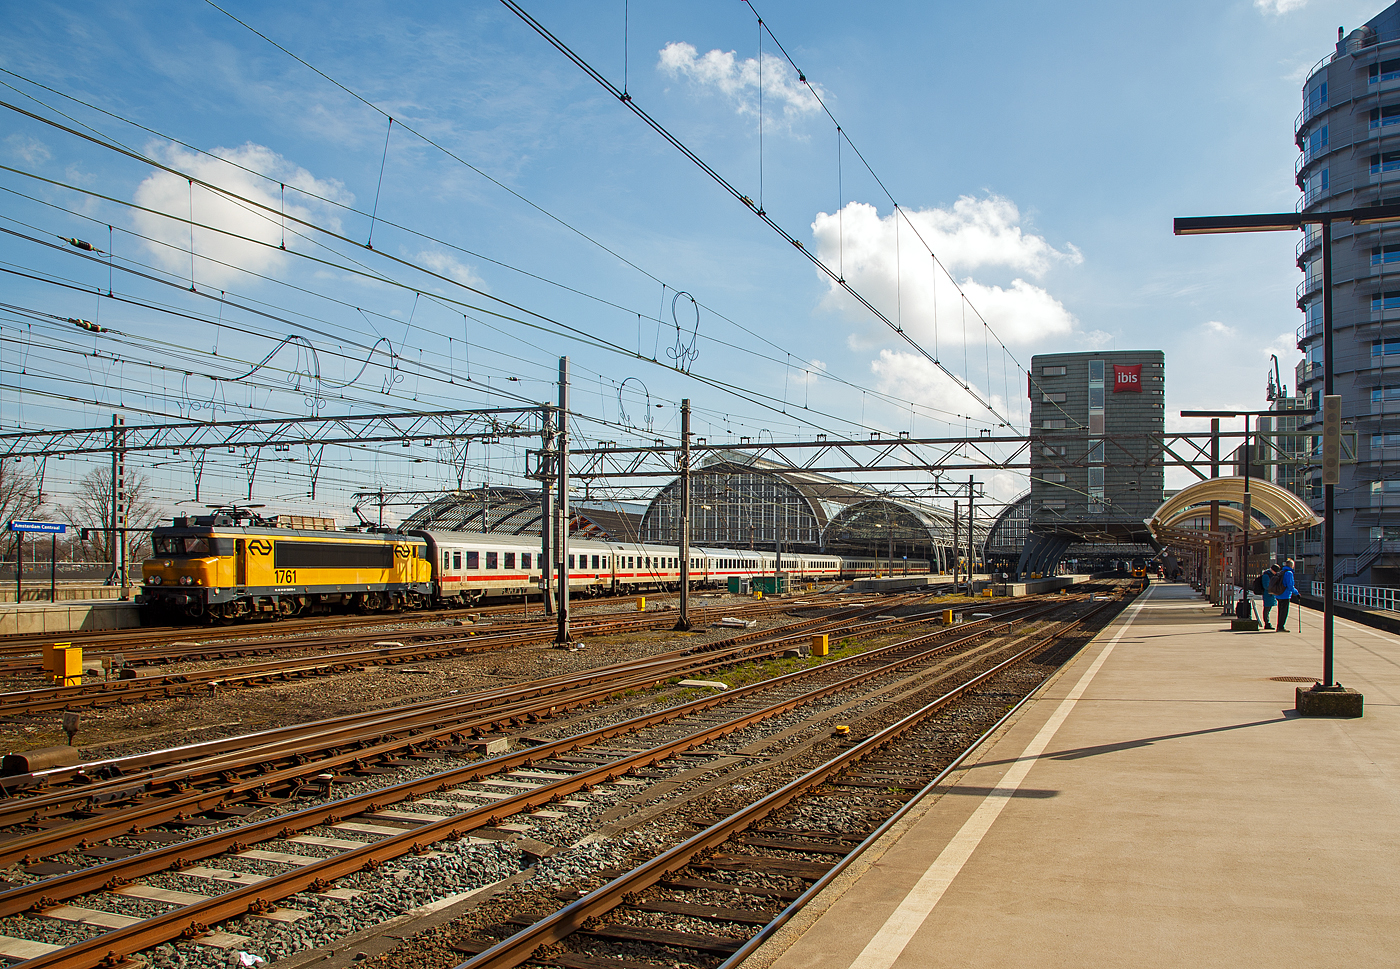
<point>1009,531</point>
<point>1274,511</point>
<point>917,529</point>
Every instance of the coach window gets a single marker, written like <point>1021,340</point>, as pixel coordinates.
<point>473,559</point>
<point>571,561</point>
<point>457,560</point>
<point>595,563</point>
<point>492,560</point>
<point>510,560</point>
<point>525,561</point>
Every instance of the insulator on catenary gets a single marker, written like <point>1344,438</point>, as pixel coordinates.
<point>87,325</point>
<point>80,244</point>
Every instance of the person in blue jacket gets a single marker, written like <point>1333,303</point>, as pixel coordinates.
<point>1265,579</point>
<point>1286,595</point>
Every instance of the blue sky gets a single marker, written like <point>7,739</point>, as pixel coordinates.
<point>1042,149</point>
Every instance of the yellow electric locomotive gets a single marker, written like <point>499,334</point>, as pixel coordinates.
<point>217,566</point>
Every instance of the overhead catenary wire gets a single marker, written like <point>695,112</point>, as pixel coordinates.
<point>764,26</point>
<point>772,404</point>
<point>734,191</point>
<point>710,309</point>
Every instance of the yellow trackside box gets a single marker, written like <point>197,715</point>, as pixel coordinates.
<point>641,603</point>
<point>819,645</point>
<point>68,665</point>
<point>947,617</point>
<point>51,660</point>
<point>988,593</point>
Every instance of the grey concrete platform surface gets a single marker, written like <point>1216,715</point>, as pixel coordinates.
<point>1158,804</point>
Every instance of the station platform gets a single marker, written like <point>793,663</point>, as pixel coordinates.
<point>34,618</point>
<point>1158,803</point>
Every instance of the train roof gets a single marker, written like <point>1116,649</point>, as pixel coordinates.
<point>192,528</point>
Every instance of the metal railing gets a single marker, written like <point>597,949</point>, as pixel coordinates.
<point>1367,596</point>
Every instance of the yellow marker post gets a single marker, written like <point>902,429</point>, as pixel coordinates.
<point>947,617</point>
<point>758,594</point>
<point>641,603</point>
<point>819,645</point>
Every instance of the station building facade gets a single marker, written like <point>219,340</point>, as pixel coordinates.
<point>1348,138</point>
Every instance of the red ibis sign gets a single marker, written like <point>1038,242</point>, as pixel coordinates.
<point>1127,379</point>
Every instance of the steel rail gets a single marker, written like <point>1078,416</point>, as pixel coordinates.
<point>15,703</point>
<point>591,687</point>
<point>116,873</point>
<point>506,705</point>
<point>816,888</point>
<point>520,947</point>
<point>308,629</point>
<point>453,707</point>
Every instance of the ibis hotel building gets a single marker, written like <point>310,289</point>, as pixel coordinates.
<point>1096,473</point>
<point>1348,137</point>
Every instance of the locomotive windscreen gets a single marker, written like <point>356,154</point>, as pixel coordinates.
<point>339,555</point>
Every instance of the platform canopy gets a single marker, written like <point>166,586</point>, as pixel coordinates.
<point>1274,512</point>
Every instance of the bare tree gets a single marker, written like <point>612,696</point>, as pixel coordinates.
<point>19,498</point>
<point>19,493</point>
<point>92,509</point>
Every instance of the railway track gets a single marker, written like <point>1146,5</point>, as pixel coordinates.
<point>551,772</point>
<point>20,653</point>
<point>278,762</point>
<point>154,637</point>
<point>435,644</point>
<point>701,881</point>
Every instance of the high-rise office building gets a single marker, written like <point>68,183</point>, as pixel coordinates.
<point>1096,471</point>
<point>1349,137</point>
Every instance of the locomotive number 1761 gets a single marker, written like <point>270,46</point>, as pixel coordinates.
<point>286,576</point>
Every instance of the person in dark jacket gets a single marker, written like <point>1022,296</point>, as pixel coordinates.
<point>1286,595</point>
<point>1269,600</point>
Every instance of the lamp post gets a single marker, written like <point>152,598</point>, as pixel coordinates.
<point>1278,222</point>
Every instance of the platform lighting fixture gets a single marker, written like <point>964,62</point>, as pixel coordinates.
<point>1278,222</point>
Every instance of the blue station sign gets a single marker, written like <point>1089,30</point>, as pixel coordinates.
<point>47,528</point>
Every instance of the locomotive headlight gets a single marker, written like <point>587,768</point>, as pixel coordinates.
<point>154,580</point>
<point>186,580</point>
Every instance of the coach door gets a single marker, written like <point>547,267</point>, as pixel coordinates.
<point>240,563</point>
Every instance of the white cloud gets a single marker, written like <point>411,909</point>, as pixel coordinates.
<point>1216,328</point>
<point>1278,6</point>
<point>448,265</point>
<point>909,376</point>
<point>897,275</point>
<point>738,80</point>
<point>27,149</point>
<point>172,194</point>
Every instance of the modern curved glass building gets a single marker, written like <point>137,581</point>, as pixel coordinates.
<point>1348,136</point>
